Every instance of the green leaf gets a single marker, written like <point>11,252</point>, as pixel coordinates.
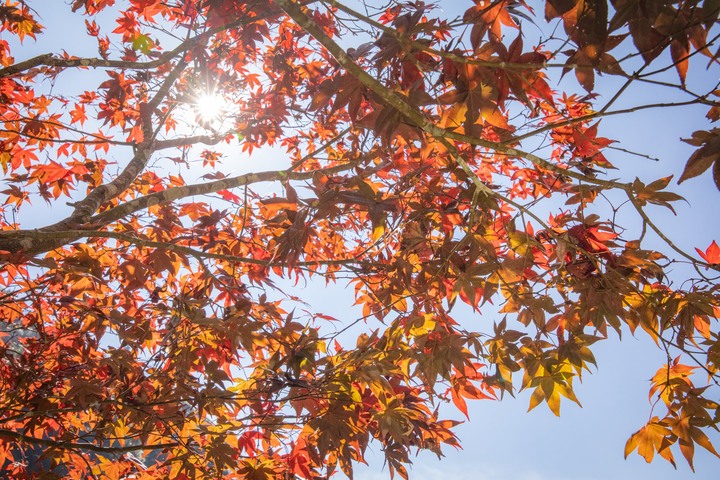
<point>142,43</point>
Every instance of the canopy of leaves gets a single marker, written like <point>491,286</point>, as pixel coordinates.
<point>425,159</point>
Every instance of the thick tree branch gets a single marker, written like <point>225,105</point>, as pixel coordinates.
<point>33,242</point>
<point>177,193</point>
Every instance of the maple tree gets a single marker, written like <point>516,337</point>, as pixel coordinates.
<point>158,329</point>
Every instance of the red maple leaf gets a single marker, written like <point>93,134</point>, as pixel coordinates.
<point>712,254</point>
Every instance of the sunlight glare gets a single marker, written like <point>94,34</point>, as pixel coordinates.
<point>210,107</point>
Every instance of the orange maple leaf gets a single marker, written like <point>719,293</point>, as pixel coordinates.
<point>712,254</point>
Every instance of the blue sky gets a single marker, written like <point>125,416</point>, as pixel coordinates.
<point>503,441</point>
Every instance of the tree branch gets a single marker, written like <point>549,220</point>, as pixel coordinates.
<point>81,445</point>
<point>199,254</point>
<point>187,141</point>
<point>33,242</point>
<point>177,193</point>
<point>89,205</point>
<point>49,60</point>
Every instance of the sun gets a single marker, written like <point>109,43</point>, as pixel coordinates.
<point>210,107</point>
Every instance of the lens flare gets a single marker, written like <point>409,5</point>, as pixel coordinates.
<point>210,107</point>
